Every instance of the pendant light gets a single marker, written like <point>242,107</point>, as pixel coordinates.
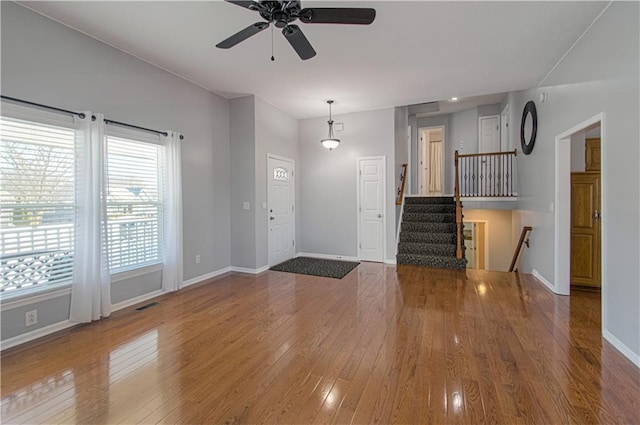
<point>330,142</point>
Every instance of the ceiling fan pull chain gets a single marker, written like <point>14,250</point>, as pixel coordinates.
<point>272,58</point>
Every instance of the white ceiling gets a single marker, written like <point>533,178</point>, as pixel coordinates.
<point>414,52</point>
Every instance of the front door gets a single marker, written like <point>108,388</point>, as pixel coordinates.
<point>280,195</point>
<point>585,229</point>
<point>371,222</point>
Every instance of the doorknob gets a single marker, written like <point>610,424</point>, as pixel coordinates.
<point>271,218</point>
<point>379,215</point>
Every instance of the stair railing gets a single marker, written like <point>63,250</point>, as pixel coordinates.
<point>458,211</point>
<point>403,180</point>
<point>488,174</point>
<point>523,241</point>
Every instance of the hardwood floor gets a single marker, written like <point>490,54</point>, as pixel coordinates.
<point>383,345</point>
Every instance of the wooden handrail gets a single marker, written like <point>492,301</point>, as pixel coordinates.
<point>521,242</point>
<point>458,211</point>
<point>403,180</point>
<point>469,155</point>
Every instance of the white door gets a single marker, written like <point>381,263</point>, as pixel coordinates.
<point>469,234</point>
<point>280,195</point>
<point>489,134</point>
<point>371,221</point>
<point>504,129</point>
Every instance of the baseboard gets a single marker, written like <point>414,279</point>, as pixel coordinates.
<point>137,300</point>
<point>388,261</point>
<point>38,333</point>
<point>620,346</point>
<point>327,256</point>
<point>204,277</point>
<point>544,281</point>
<point>249,271</point>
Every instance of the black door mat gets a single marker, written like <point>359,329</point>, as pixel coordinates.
<point>316,267</point>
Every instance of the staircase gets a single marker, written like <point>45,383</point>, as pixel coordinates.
<point>428,233</point>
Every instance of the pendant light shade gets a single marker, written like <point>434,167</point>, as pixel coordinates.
<point>330,142</point>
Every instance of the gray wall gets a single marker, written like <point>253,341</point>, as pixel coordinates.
<point>243,227</point>
<point>328,180</point>
<point>276,134</point>
<point>578,152</point>
<point>600,75</point>
<point>46,62</point>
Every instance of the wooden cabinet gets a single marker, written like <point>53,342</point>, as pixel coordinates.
<point>592,154</point>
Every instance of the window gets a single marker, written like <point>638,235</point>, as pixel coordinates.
<point>134,204</point>
<point>37,198</point>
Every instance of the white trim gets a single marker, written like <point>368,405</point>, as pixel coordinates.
<point>409,167</point>
<point>204,277</point>
<point>488,199</point>
<point>562,215</point>
<point>293,202</point>
<point>541,278</point>
<point>137,300</point>
<point>38,333</point>
<point>327,256</point>
<point>382,158</point>
<point>621,347</point>
<point>249,271</point>
<point>129,274</point>
<point>26,299</point>
<point>504,128</point>
<point>388,261</point>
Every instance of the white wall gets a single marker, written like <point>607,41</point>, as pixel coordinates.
<point>46,62</point>
<point>600,75</point>
<point>328,180</point>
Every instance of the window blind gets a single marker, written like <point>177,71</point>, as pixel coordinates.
<point>37,201</point>
<point>134,208</point>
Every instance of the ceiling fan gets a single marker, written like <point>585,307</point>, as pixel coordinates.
<point>282,13</point>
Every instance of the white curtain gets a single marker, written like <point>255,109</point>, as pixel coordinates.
<point>435,166</point>
<point>172,214</point>
<point>91,286</point>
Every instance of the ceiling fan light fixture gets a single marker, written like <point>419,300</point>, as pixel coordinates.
<point>331,142</point>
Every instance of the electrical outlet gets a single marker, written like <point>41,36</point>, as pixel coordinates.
<point>198,259</point>
<point>31,318</point>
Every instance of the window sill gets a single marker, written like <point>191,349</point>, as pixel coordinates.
<point>20,299</point>
<point>32,296</point>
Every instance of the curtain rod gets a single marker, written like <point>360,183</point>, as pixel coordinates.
<point>82,115</point>
<point>39,105</point>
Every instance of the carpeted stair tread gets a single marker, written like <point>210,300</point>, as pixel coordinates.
<point>430,208</point>
<point>428,233</point>
<point>428,200</point>
<point>447,249</point>
<point>437,261</point>
<point>430,238</point>
<point>430,218</point>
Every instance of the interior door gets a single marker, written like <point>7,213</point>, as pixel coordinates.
<point>469,234</point>
<point>585,229</point>
<point>280,195</point>
<point>489,141</point>
<point>371,209</point>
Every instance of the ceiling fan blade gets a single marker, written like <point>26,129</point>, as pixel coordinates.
<point>252,5</point>
<point>298,41</point>
<point>240,36</point>
<point>337,15</point>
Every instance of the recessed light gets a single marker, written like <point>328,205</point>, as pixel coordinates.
<point>453,99</point>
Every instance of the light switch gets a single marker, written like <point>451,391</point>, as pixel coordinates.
<point>339,126</point>
<point>246,205</point>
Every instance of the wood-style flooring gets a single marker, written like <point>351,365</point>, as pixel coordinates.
<point>383,345</point>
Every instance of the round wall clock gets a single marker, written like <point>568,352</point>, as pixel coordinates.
<point>528,127</point>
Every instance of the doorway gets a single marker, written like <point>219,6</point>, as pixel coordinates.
<point>430,161</point>
<point>371,203</point>
<point>475,243</point>
<point>281,210</point>
<point>562,216</point>
<point>489,134</point>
